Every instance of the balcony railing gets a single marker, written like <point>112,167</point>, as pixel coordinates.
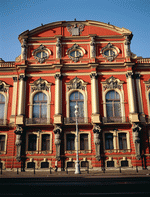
<point>115,119</point>
<point>72,120</point>
<point>38,121</point>
<point>7,64</point>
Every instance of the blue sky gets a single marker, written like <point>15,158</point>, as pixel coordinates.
<point>17,16</point>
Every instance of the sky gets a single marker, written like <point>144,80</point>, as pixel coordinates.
<point>17,16</point>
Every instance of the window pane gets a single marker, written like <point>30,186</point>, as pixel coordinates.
<point>30,165</point>
<point>117,109</point>
<point>110,163</point>
<point>36,111</point>
<point>2,142</point>
<point>70,164</point>
<point>84,142</point>
<point>109,141</point>
<point>109,110</point>
<point>70,141</point>
<point>45,142</point>
<point>2,107</point>
<point>2,98</point>
<point>81,96</point>
<point>81,109</point>
<point>122,141</point>
<point>32,142</point>
<point>43,111</point>
<point>72,109</point>
<point>124,163</point>
<point>38,54</point>
<point>84,164</point>
<point>44,165</point>
<point>76,95</point>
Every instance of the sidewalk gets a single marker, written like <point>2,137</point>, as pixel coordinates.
<point>85,174</point>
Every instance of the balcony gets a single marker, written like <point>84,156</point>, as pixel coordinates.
<point>38,121</point>
<point>72,120</point>
<point>115,120</point>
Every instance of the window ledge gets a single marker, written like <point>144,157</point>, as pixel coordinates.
<point>118,151</point>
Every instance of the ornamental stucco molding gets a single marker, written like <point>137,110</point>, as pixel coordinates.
<point>40,84</point>
<point>76,83</point>
<point>112,83</point>
<point>75,29</point>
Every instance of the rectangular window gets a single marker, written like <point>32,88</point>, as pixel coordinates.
<point>45,142</point>
<point>70,141</point>
<point>84,142</point>
<point>2,142</point>
<point>122,141</point>
<point>32,141</point>
<point>110,163</point>
<point>109,141</point>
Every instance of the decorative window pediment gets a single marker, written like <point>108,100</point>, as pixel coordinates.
<point>112,83</point>
<point>110,52</point>
<point>75,52</point>
<point>76,83</point>
<point>41,53</point>
<point>3,86</point>
<point>40,84</point>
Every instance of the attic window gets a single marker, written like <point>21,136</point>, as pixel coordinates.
<point>75,53</point>
<point>41,53</point>
<point>110,52</point>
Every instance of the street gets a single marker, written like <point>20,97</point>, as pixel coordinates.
<point>75,186</point>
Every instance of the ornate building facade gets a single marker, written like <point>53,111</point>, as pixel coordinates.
<point>62,64</point>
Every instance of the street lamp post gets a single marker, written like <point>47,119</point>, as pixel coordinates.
<point>77,165</point>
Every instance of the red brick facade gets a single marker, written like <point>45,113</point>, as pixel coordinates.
<point>63,63</point>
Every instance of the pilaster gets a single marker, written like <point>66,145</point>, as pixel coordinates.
<point>140,100</point>
<point>14,101</point>
<point>58,99</point>
<point>21,100</point>
<point>133,115</point>
<point>95,100</point>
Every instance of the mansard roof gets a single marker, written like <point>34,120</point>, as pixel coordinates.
<point>91,27</point>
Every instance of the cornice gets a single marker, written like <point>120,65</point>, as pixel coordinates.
<point>28,34</point>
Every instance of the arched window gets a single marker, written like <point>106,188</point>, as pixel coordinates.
<point>2,108</point>
<point>113,107</point>
<point>76,98</point>
<point>40,108</point>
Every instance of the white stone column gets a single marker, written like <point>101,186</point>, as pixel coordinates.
<point>14,100</point>
<point>21,101</point>
<point>21,95</point>
<point>139,96</point>
<point>58,99</point>
<point>95,100</point>
<point>131,97</point>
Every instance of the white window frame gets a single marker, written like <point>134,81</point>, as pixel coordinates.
<point>89,142</point>
<point>68,102</point>
<point>40,147</point>
<point>121,94</point>
<point>5,147</point>
<point>6,96</point>
<point>31,104</point>
<point>37,142</point>
<point>116,141</point>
